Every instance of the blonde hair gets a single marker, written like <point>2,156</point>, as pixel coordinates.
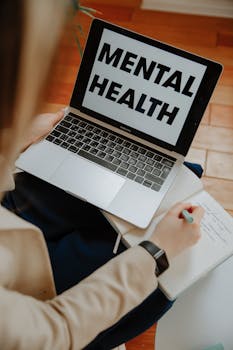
<point>35,31</point>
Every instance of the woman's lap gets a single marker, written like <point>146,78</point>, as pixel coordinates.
<point>79,240</point>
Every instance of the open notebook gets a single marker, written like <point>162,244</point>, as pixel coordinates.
<point>215,245</point>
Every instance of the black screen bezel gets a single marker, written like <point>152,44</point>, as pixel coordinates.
<point>200,102</point>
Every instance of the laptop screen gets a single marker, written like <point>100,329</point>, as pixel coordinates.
<point>148,88</point>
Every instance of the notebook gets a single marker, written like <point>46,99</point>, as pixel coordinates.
<point>134,111</point>
<point>214,247</point>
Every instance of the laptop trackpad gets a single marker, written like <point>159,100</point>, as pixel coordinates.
<point>87,181</point>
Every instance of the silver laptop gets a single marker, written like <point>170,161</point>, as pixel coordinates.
<point>134,111</point>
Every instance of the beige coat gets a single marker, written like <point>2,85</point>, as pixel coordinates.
<point>32,316</point>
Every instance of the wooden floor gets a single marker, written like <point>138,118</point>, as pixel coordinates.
<point>208,36</point>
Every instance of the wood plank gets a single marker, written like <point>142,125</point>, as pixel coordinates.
<point>220,165</point>
<point>214,138</point>
<point>221,190</point>
<point>144,341</point>
<point>221,115</point>
<point>114,3</point>
<point>225,38</point>
<point>223,95</point>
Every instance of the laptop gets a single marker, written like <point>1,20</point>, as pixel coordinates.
<point>134,111</point>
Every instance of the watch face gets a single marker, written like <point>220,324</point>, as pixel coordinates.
<point>162,262</point>
<point>158,254</point>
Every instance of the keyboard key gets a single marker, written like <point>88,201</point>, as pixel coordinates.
<point>57,141</point>
<point>72,133</point>
<point>139,179</point>
<point>101,147</point>
<point>150,161</point>
<point>126,151</point>
<point>157,157</point>
<point>141,150</point>
<point>96,137</point>
<point>82,131</point>
<point>94,144</point>
<point>156,187</point>
<point>79,144</point>
<point>62,129</point>
<point>132,161</point>
<point>50,138</point>
<point>142,158</point>
<point>109,150</point>
<point>122,171</point>
<point>79,137</point>
<point>134,155</point>
<point>124,157</point>
<point>166,170</point>
<point>104,134</point>
<point>158,165</point>
<point>149,154</point>
<point>134,147</point>
<point>73,149</point>
<point>97,131</point>
<point>68,118</point>
<point>97,160</point>
<point>156,172</point>
<point>111,137</point>
<point>86,140</point>
<point>90,127</point>
<point>124,165</point>
<point>109,158</point>
<point>148,168</point>
<point>133,169</point>
<point>74,128</point>
<point>167,162</point>
<point>82,124</point>
<point>140,164</point>
<point>64,137</point>
<point>64,144</point>
<point>101,154</point>
<point>116,154</point>
<point>154,178</point>
<point>126,144</point>
<point>111,144</point>
<point>55,133</point>
<point>131,176</point>
<point>65,123</point>
<point>86,148</point>
<point>119,140</point>
<point>89,134</point>
<point>94,151</point>
<point>116,161</point>
<point>141,172</point>
<point>147,183</point>
<point>119,148</point>
<point>104,141</point>
<point>71,140</point>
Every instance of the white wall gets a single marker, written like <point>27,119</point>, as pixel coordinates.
<point>220,8</point>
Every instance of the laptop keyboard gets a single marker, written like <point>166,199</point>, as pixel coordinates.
<point>112,151</point>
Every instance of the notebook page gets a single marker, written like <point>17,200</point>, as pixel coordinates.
<point>215,245</point>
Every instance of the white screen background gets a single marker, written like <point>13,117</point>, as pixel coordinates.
<point>120,112</point>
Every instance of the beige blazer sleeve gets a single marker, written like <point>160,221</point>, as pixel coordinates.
<point>74,318</point>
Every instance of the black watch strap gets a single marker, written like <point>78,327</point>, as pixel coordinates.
<point>158,254</point>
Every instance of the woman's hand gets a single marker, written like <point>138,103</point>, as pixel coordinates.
<point>40,127</point>
<point>174,234</point>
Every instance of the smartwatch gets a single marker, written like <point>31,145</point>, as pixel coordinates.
<point>158,254</point>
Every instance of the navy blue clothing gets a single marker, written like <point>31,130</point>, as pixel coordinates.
<point>79,240</point>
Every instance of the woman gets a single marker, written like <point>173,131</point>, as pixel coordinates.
<point>103,301</point>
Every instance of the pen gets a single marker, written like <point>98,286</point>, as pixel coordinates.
<point>187,216</point>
